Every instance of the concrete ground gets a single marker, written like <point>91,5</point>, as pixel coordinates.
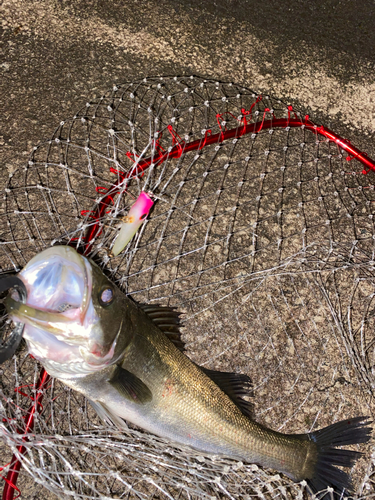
<point>56,55</point>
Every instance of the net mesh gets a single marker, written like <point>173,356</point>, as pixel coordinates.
<point>264,241</point>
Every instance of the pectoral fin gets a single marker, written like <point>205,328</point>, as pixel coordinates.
<point>130,386</point>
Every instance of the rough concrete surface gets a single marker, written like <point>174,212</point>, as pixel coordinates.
<point>56,55</point>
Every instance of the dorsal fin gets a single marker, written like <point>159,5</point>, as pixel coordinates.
<point>236,386</point>
<point>167,319</point>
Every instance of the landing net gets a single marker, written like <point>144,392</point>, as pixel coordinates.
<point>262,234</point>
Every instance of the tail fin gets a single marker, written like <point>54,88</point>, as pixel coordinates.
<point>346,432</point>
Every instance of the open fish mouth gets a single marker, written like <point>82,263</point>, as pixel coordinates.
<point>61,284</point>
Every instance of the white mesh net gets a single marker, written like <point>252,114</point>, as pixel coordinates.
<point>265,241</point>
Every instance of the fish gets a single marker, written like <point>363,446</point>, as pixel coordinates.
<point>128,359</point>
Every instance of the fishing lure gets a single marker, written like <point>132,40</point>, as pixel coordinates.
<point>132,222</point>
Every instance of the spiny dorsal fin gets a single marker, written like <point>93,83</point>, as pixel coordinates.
<point>235,386</point>
<point>130,386</point>
<point>167,319</point>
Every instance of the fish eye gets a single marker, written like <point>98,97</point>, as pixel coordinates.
<point>143,216</point>
<point>106,297</point>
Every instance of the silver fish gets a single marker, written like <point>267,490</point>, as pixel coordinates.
<point>127,360</point>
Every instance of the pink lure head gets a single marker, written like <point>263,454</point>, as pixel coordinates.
<point>141,207</point>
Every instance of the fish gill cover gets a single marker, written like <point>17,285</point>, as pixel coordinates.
<point>262,236</point>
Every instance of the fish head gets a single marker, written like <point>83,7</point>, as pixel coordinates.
<point>72,312</point>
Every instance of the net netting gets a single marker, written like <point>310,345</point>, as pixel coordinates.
<point>265,242</point>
